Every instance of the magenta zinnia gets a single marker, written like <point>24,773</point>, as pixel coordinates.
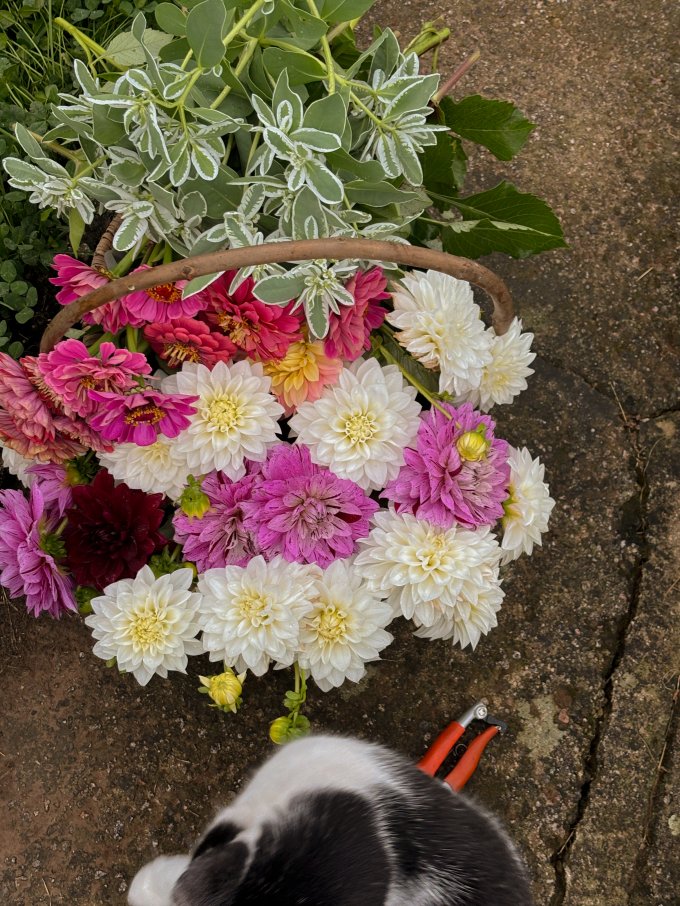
<point>164,302</point>
<point>219,538</point>
<point>189,340</point>
<point>29,551</point>
<point>303,511</point>
<point>111,532</point>
<point>71,372</point>
<point>458,472</point>
<point>349,332</point>
<point>140,417</point>
<point>262,331</point>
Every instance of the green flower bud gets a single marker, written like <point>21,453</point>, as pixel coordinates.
<point>224,689</point>
<point>285,729</point>
<point>193,501</point>
<point>473,445</point>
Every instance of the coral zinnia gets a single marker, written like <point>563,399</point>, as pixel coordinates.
<point>71,372</point>
<point>303,511</point>
<point>29,550</point>
<point>459,471</point>
<point>261,331</point>
<point>302,374</point>
<point>139,418</point>
<point>111,532</point>
<point>189,340</point>
<point>219,538</point>
<point>349,331</point>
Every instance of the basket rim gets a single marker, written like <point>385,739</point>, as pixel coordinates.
<point>289,251</point>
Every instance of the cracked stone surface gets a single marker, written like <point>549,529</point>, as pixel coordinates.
<point>97,775</point>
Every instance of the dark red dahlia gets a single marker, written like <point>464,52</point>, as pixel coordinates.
<point>111,531</point>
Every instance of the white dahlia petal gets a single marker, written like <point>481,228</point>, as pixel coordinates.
<point>361,426</point>
<point>344,629</point>
<point>439,323</point>
<point>17,464</point>
<point>445,580</point>
<point>149,625</point>
<point>505,375</point>
<point>157,469</point>
<point>236,416</point>
<point>528,506</point>
<point>251,614</point>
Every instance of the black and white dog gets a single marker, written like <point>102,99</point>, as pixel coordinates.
<point>337,822</point>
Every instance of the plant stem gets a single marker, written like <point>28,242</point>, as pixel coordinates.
<point>55,146</point>
<point>243,61</point>
<point>124,264</point>
<point>86,43</point>
<point>429,37</point>
<point>104,338</point>
<point>195,76</point>
<point>243,22</point>
<point>455,78</point>
<point>131,334</point>
<point>326,48</point>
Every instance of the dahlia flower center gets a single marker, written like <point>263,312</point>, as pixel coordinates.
<point>254,606</point>
<point>181,352</point>
<point>147,629</point>
<point>223,413</point>
<point>166,292</point>
<point>312,512</point>
<point>360,427</point>
<point>331,624</point>
<point>144,415</point>
<point>432,556</point>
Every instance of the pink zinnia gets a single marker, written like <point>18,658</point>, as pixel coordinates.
<point>261,331</point>
<point>28,424</point>
<point>140,417</point>
<point>71,372</point>
<point>189,340</point>
<point>219,537</point>
<point>303,511</point>
<point>459,471</point>
<point>163,303</point>
<point>29,550</point>
<point>349,333</point>
<point>78,279</point>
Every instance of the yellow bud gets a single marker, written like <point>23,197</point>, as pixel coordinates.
<point>473,445</point>
<point>279,730</point>
<point>225,689</point>
<point>193,501</point>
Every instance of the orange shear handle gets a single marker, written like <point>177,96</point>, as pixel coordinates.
<point>465,768</point>
<point>433,759</point>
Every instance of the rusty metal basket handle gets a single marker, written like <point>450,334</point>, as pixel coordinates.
<point>281,252</point>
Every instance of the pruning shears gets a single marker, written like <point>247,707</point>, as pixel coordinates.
<point>435,756</point>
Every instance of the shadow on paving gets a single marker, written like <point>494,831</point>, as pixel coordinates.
<point>97,775</point>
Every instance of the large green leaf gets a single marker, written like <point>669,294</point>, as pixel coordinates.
<point>343,10</point>
<point>497,125</point>
<point>126,50</point>
<point>205,29</point>
<point>502,220</point>
<point>444,165</point>
<point>300,67</point>
<point>171,19</point>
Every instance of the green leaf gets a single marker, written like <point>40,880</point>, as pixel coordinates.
<point>323,183</point>
<point>107,131</point>
<point>300,67</point>
<point>303,29</point>
<point>497,125</point>
<point>198,284</point>
<point>428,377</point>
<point>279,289</point>
<point>413,97</point>
<point>24,315</point>
<point>343,10</point>
<point>205,29</point>
<point>502,220</point>
<point>8,271</point>
<point>317,317</point>
<point>76,228</point>
<point>444,165</point>
<point>125,50</point>
<point>28,143</point>
<point>378,194</point>
<point>170,19</point>
<point>328,114</point>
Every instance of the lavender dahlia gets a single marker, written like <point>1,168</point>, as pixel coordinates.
<point>458,472</point>
<point>303,511</point>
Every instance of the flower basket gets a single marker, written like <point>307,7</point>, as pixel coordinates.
<point>266,463</point>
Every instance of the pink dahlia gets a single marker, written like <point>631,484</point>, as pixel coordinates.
<point>303,511</point>
<point>29,551</point>
<point>219,537</point>
<point>55,486</point>
<point>349,333</point>
<point>189,340</point>
<point>28,423</point>
<point>79,279</point>
<point>71,372</point>
<point>261,331</point>
<point>139,417</point>
<point>163,303</point>
<point>458,472</point>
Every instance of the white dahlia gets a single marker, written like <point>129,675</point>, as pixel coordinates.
<point>148,625</point>
<point>528,506</point>
<point>505,375</point>
<point>360,426</point>
<point>440,324</point>
<point>157,469</point>
<point>431,574</point>
<point>17,464</point>
<point>251,614</point>
<point>345,628</point>
<point>236,416</point>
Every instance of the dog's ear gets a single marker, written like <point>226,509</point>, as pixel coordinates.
<point>213,876</point>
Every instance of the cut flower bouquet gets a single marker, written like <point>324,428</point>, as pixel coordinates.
<point>263,462</point>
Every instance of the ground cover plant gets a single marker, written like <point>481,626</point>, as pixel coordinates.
<point>269,463</point>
